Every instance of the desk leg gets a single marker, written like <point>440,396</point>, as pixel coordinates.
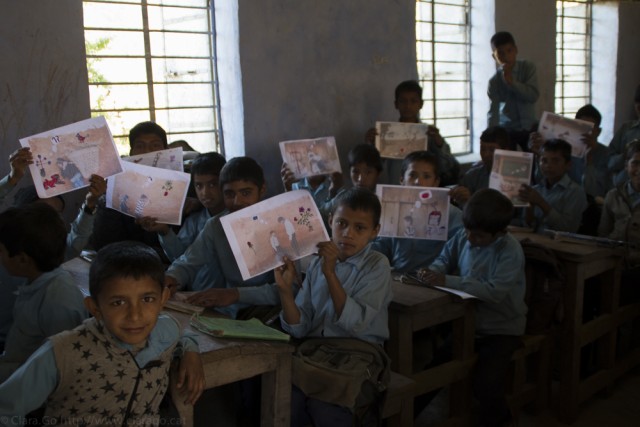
<point>400,348</point>
<point>464,335</point>
<point>276,394</point>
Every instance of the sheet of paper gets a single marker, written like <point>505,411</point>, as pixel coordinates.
<point>396,140</point>
<point>571,130</point>
<point>414,212</point>
<point>310,157</point>
<point>65,158</point>
<point>510,170</point>
<point>260,235</point>
<point>166,159</point>
<point>147,191</point>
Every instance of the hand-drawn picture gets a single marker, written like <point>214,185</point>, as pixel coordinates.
<point>262,234</point>
<point>571,130</point>
<point>510,170</point>
<point>166,159</point>
<point>414,212</point>
<point>147,191</point>
<point>64,158</point>
<point>310,157</point>
<point>396,140</point>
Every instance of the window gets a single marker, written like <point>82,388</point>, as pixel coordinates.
<point>153,60</point>
<point>442,47</point>
<point>573,57</point>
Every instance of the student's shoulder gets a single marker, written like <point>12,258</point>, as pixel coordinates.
<point>60,284</point>
<point>167,329</point>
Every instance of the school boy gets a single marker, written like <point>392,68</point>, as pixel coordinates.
<point>513,91</point>
<point>205,176</point>
<point>420,169</point>
<point>32,246</point>
<point>486,261</point>
<point>114,368</point>
<point>408,101</point>
<point>628,132</point>
<point>557,202</point>
<point>365,166</point>
<point>345,293</point>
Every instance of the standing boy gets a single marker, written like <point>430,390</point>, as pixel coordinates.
<point>513,91</point>
<point>486,261</point>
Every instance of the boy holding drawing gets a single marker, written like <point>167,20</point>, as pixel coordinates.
<point>487,262</point>
<point>345,293</point>
<point>118,360</point>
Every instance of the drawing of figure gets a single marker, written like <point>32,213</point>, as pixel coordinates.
<point>291,232</point>
<point>409,229</point>
<point>275,244</point>
<point>70,171</point>
<point>316,163</point>
<point>434,217</point>
<point>143,201</point>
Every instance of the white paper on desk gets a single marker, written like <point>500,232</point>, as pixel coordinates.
<point>461,294</point>
<point>147,191</point>
<point>310,157</point>
<point>396,140</point>
<point>414,212</point>
<point>165,159</point>
<point>260,235</point>
<point>65,158</point>
<point>571,130</point>
<point>510,170</point>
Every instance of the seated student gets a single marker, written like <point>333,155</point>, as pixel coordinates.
<point>32,244</point>
<point>486,261</point>
<point>408,102</point>
<point>419,169</point>
<point>345,293</point>
<point>242,183</point>
<point>365,166</point>
<point>476,178</point>
<point>205,175</point>
<point>628,132</point>
<point>118,360</point>
<point>557,202</point>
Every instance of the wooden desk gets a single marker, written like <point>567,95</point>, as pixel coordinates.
<point>227,361</point>
<point>414,308</point>
<point>581,262</point>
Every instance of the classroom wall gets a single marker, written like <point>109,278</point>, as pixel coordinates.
<point>628,69</point>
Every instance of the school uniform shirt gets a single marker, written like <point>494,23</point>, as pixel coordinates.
<point>51,373</point>
<point>513,106</point>
<point>407,255</point>
<point>495,275</point>
<point>627,133</point>
<point>50,304</point>
<point>476,178</point>
<point>594,177</point>
<point>366,279</point>
<point>617,212</point>
<point>567,199</point>
<point>211,249</point>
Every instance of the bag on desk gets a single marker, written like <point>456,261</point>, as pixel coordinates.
<point>343,371</point>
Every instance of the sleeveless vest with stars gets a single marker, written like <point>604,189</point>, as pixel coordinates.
<point>101,383</point>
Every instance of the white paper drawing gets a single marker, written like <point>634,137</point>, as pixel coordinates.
<point>571,130</point>
<point>396,140</point>
<point>166,159</point>
<point>510,170</point>
<point>310,157</point>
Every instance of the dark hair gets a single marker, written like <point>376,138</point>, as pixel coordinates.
<point>207,164</point>
<point>496,134</point>
<point>37,230</point>
<point>487,210</point>
<point>29,194</point>
<point>367,154</point>
<point>559,146</point>
<point>420,156</point>
<point>359,199</point>
<point>408,86</point>
<point>143,128</point>
<point>242,169</point>
<point>124,259</point>
<point>501,38</point>
<point>631,149</point>
<point>591,112</point>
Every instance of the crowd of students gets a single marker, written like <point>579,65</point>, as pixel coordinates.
<point>81,357</point>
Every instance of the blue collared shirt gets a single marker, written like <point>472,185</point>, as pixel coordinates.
<point>624,135</point>
<point>476,178</point>
<point>567,199</point>
<point>513,106</point>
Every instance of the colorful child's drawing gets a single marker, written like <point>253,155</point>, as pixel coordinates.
<point>571,130</point>
<point>262,234</point>
<point>166,159</point>
<point>414,212</point>
<point>147,191</point>
<point>310,157</point>
<point>510,170</point>
<point>396,140</point>
<point>66,157</point>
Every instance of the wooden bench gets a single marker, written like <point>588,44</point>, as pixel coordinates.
<point>397,406</point>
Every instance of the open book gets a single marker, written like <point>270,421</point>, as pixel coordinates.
<point>179,303</point>
<point>230,328</point>
<point>413,280</point>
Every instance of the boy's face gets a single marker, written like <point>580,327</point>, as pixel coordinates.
<point>240,194</point>
<point>364,176</point>
<point>129,307</point>
<point>208,192</point>
<point>596,129</point>
<point>409,105</point>
<point>479,238</point>
<point>505,54</point>
<point>146,143</point>
<point>553,165</point>
<point>486,152</point>
<point>420,174</point>
<point>352,230</point>
<point>633,169</point>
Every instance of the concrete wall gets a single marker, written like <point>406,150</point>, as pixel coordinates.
<point>628,69</point>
